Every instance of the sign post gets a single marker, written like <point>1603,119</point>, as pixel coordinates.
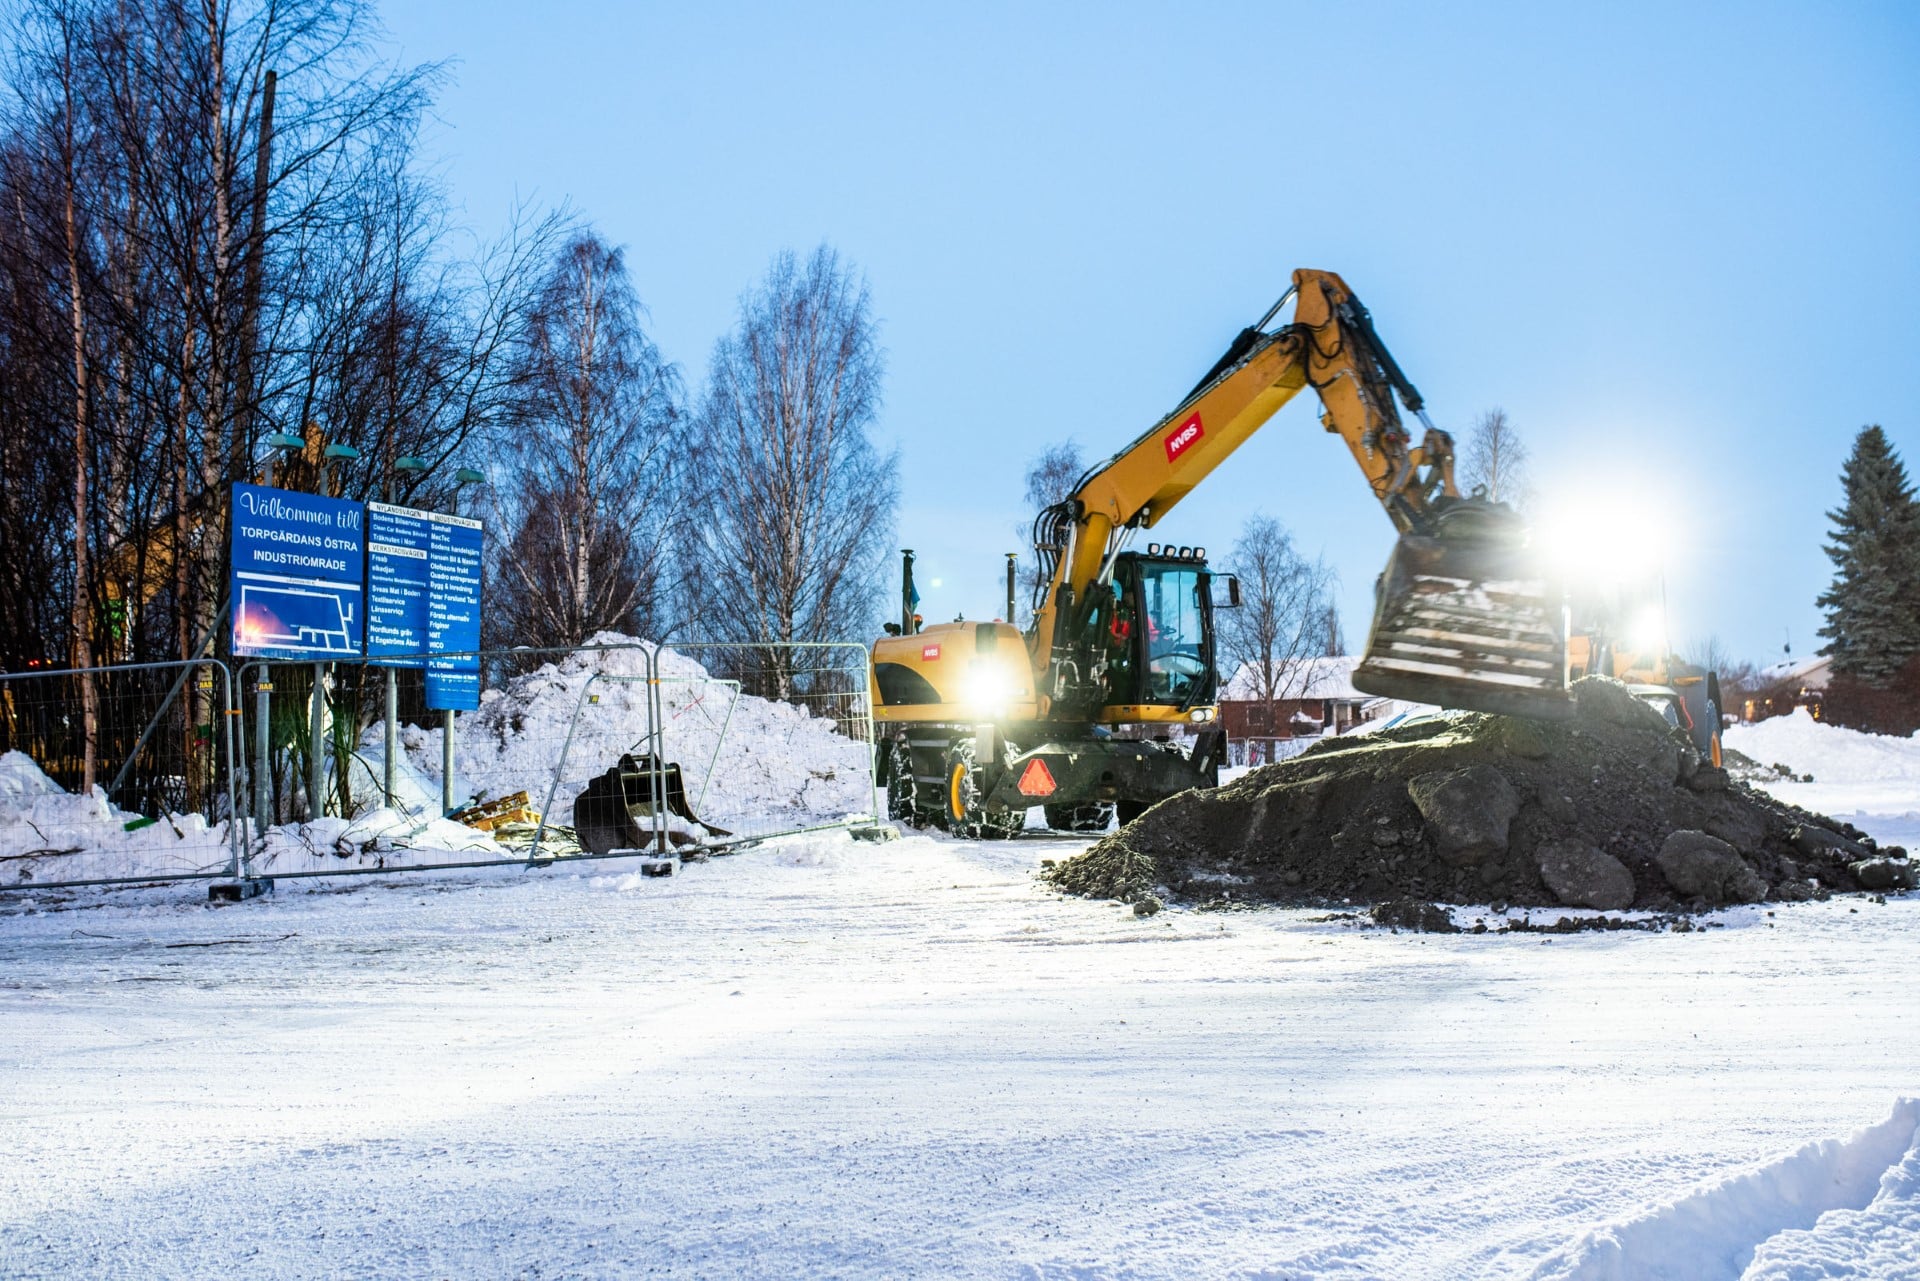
<point>423,601</point>
<point>398,544</point>
<point>453,629</point>
<point>321,579</point>
<point>299,564</point>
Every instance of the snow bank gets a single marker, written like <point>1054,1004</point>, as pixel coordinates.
<point>751,765</point>
<point>380,837</point>
<point>1871,780</point>
<point>777,764</point>
<point>1875,1241</point>
<point>50,834</point>
<point>1714,1232</point>
<point>1831,753</point>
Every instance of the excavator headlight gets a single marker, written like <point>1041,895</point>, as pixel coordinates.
<point>989,687</point>
<point>1153,549</point>
<point>1201,715</point>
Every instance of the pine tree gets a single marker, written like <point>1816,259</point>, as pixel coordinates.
<point>1873,607</point>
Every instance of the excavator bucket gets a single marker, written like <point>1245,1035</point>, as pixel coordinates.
<point>1464,618</point>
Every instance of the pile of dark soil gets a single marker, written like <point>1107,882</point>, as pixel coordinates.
<point>1611,809</point>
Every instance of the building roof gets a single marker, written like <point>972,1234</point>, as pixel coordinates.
<point>1807,673</point>
<point>1330,676</point>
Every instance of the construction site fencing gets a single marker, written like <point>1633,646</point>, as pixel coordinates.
<point>295,769</point>
<point>756,741</point>
<point>366,778</point>
<point>119,774</point>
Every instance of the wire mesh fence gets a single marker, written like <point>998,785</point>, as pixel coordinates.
<point>342,768</point>
<point>797,753</point>
<point>117,774</point>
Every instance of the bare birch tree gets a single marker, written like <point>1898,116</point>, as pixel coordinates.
<point>592,432</point>
<point>795,504</point>
<point>1496,458</point>
<point>1284,616</point>
<point>1050,479</point>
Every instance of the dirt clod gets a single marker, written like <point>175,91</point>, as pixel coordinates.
<point>1467,810</point>
<point>1581,876</point>
<point>1705,867</point>
<point>1578,813</point>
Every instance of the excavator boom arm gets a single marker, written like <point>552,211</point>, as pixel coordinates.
<point>1331,346</point>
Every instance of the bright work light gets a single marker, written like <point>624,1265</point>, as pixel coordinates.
<point>989,687</point>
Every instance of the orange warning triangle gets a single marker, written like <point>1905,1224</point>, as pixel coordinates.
<point>1036,779</point>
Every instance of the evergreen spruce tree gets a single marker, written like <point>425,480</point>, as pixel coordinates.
<point>1873,607</point>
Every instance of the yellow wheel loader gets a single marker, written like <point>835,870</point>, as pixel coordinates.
<point>978,722</point>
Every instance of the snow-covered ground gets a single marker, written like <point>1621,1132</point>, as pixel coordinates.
<point>819,1057</point>
<point>1871,780</point>
<point>826,1058</point>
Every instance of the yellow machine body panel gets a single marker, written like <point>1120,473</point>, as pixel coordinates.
<point>953,672</point>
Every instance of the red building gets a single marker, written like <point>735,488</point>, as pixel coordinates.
<point>1312,697</point>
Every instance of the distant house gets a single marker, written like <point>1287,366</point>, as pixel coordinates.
<point>1314,696</point>
<point>1786,685</point>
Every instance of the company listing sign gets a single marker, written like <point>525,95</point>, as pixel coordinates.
<point>399,542</point>
<point>299,564</point>
<point>453,614</point>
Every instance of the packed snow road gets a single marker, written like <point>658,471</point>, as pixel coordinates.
<point>823,1058</point>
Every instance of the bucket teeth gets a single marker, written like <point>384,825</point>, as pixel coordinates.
<point>1467,625</point>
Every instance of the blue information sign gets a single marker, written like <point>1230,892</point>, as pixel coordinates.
<point>399,542</point>
<point>299,562</point>
<point>453,614</point>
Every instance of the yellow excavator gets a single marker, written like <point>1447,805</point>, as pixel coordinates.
<point>978,722</point>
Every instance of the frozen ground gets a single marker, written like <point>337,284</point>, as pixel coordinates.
<point>823,1058</point>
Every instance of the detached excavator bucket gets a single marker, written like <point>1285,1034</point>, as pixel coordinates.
<point>1465,619</point>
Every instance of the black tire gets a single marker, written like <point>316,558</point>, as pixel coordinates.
<point>1087,818</point>
<point>961,800</point>
<point>904,802</point>
<point>1127,811</point>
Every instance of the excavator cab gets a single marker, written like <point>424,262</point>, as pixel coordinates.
<point>1159,631</point>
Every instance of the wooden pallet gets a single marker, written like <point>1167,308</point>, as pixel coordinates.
<point>488,815</point>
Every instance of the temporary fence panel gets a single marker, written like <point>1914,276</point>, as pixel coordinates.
<point>768,740</point>
<point>404,811</point>
<point>117,774</point>
<point>795,753</point>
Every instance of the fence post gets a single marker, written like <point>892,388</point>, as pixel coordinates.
<point>229,712</point>
<point>393,733</point>
<point>262,750</point>
<point>446,764</point>
<point>656,748</point>
<point>316,745</point>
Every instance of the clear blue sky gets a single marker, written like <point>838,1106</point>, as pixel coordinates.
<point>1679,244</point>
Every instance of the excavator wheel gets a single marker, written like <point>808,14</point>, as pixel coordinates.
<point>905,802</point>
<point>1092,817</point>
<point>965,815</point>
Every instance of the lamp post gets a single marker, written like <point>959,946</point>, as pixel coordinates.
<point>345,453</point>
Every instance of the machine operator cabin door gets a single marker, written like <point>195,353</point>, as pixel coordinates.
<point>1159,610</point>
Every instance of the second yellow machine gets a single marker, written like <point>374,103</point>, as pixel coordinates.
<point>1107,699</point>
